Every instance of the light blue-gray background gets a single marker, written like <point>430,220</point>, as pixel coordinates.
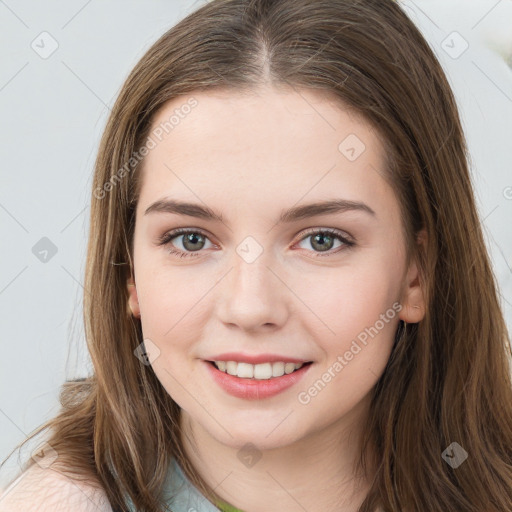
<point>54,109</point>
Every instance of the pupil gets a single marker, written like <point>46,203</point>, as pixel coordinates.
<point>322,245</point>
<point>193,239</point>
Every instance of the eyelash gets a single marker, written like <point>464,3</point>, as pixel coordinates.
<point>167,237</point>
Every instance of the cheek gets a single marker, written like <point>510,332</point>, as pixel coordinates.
<point>359,308</point>
<point>359,314</point>
<point>352,297</point>
<point>167,304</point>
<point>172,317</point>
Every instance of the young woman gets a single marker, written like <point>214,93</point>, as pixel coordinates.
<point>289,304</point>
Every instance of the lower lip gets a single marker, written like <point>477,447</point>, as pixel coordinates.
<point>255,389</point>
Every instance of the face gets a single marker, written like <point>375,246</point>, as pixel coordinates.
<point>265,279</point>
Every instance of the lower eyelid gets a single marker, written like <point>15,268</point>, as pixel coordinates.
<point>346,242</point>
<point>172,236</point>
<point>330,251</point>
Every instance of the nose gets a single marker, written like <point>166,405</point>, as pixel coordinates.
<point>253,296</point>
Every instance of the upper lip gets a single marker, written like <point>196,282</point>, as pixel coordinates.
<point>255,359</point>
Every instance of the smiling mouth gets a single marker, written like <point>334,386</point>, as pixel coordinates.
<point>262,371</point>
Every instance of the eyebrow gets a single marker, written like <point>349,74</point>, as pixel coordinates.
<point>291,215</point>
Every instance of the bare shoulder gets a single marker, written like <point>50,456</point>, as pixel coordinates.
<point>47,490</point>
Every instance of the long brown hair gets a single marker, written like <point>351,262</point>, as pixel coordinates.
<point>448,378</point>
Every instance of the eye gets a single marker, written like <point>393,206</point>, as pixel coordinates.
<point>193,240</point>
<point>323,239</point>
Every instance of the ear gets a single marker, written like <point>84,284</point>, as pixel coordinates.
<point>412,300</point>
<point>133,300</point>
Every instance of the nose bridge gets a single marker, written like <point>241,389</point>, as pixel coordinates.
<point>251,295</point>
<point>252,277</point>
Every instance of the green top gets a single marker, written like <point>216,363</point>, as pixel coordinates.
<point>182,496</point>
<point>226,507</point>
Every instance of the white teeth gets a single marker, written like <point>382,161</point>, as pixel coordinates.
<point>245,371</point>
<point>289,368</point>
<point>231,367</point>
<point>263,371</point>
<point>277,369</point>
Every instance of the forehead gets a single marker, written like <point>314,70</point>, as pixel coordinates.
<point>262,146</point>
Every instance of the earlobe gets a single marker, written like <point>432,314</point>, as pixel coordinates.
<point>413,302</point>
<point>133,301</point>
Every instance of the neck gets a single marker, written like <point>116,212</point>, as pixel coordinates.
<point>315,473</point>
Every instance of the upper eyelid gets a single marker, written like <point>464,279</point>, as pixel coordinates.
<point>174,233</point>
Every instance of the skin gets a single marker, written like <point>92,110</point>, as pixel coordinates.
<point>249,156</point>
